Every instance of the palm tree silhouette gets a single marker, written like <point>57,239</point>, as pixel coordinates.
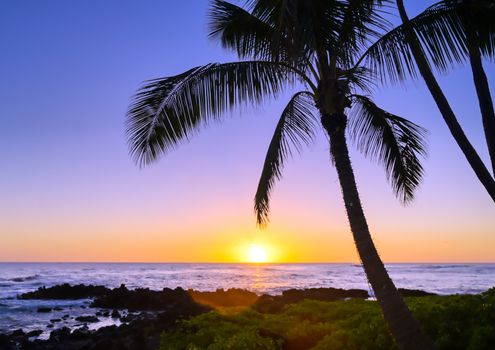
<point>294,43</point>
<point>445,34</point>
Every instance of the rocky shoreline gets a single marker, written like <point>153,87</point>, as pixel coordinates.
<point>143,313</point>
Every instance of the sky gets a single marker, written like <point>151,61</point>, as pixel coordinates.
<point>69,190</point>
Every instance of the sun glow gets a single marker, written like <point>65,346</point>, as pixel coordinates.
<point>257,254</point>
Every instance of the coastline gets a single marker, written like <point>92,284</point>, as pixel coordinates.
<point>150,314</point>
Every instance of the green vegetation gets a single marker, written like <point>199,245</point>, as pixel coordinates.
<point>454,322</point>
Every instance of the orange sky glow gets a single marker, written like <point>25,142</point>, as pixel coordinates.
<point>69,191</point>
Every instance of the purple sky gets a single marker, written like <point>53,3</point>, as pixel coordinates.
<point>69,190</point>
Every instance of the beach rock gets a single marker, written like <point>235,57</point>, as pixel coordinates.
<point>273,304</point>
<point>60,334</point>
<point>129,318</point>
<point>6,342</point>
<point>323,294</point>
<point>50,325</point>
<point>66,291</point>
<point>34,333</point>
<point>17,333</point>
<point>144,299</point>
<point>115,314</point>
<point>224,298</point>
<point>414,293</point>
<point>88,319</point>
<point>79,333</point>
<point>44,309</point>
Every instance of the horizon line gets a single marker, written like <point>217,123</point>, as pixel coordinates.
<point>240,262</point>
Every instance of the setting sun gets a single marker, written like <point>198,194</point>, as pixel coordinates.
<point>257,254</point>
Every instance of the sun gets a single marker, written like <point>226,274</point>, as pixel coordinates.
<point>256,254</point>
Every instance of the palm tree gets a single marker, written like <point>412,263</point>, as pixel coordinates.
<point>484,96</point>
<point>479,28</point>
<point>294,43</point>
<point>451,31</point>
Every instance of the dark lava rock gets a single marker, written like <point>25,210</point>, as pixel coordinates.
<point>18,333</point>
<point>34,333</point>
<point>272,304</point>
<point>44,309</point>
<point>79,333</point>
<point>50,326</point>
<point>5,342</point>
<point>414,293</point>
<point>130,317</point>
<point>144,299</point>
<point>66,291</point>
<point>89,319</point>
<point>142,332</point>
<point>224,298</point>
<point>58,308</point>
<point>323,294</point>
<point>55,320</point>
<point>60,334</point>
<point>64,317</point>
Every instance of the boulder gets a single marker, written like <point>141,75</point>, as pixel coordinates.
<point>34,333</point>
<point>66,291</point>
<point>224,298</point>
<point>414,293</point>
<point>273,304</point>
<point>87,319</point>
<point>17,333</point>
<point>60,334</point>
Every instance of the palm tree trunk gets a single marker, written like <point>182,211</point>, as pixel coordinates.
<point>484,98</point>
<point>467,148</point>
<point>404,327</point>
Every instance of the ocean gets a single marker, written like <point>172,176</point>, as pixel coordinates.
<point>17,278</point>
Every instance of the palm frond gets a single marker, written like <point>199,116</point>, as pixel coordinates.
<point>441,29</point>
<point>390,58</point>
<point>295,128</point>
<point>391,140</point>
<point>363,21</point>
<point>304,27</point>
<point>258,32</point>
<point>237,29</point>
<point>167,111</point>
<point>360,78</point>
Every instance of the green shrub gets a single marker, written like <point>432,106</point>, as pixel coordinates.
<point>454,322</point>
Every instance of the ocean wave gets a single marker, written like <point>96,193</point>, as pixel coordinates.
<point>441,267</point>
<point>24,278</point>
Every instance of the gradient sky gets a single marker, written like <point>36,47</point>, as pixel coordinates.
<point>70,192</point>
